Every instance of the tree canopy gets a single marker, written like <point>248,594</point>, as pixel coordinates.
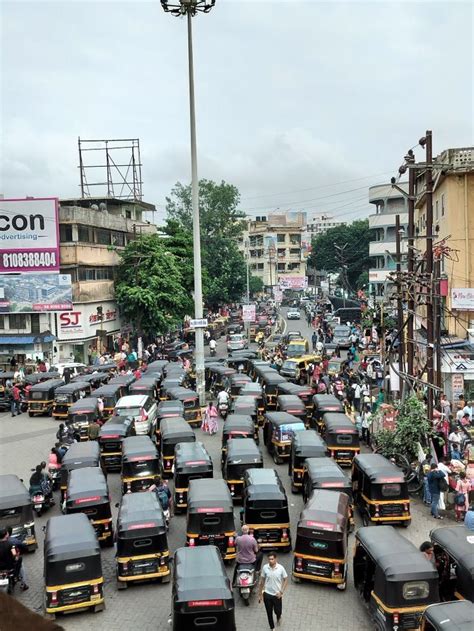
<point>325,256</point>
<point>149,286</point>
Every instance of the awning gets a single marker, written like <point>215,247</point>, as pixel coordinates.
<point>16,340</point>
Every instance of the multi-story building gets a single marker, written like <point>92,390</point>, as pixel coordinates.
<point>382,248</point>
<point>274,247</point>
<point>320,225</point>
<point>453,230</point>
<point>92,232</point>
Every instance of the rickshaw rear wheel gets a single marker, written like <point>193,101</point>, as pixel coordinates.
<point>98,608</point>
<point>365,519</point>
<point>30,414</point>
<point>406,523</point>
<point>277,459</point>
<point>122,585</point>
<point>294,489</point>
<point>246,601</point>
<point>295,579</point>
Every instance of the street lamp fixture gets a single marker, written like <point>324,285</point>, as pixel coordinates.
<point>190,8</point>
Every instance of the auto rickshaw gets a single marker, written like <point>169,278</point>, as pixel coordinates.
<point>270,381</point>
<point>173,431</point>
<point>341,436</point>
<point>148,385</point>
<point>202,596</point>
<point>324,473</point>
<point>297,348</point>
<point>235,383</point>
<point>95,380</point>
<point>240,455</point>
<point>142,543</point>
<point>81,414</point>
<point>190,400</point>
<point>253,330</point>
<point>453,550</point>
<point>175,380</point>
<point>39,377</point>
<point>246,406</point>
<point>111,436</point>
<point>452,616</point>
<point>256,365</point>
<point>217,377</point>
<point>393,578</point>
<point>210,517</point>
<point>157,366</point>
<point>323,403</point>
<point>108,367</point>
<point>305,393</point>
<point>78,456</point>
<point>110,395</point>
<point>67,395</point>
<point>278,431</point>
<point>304,445</point>
<point>292,404</point>
<point>41,397</point>
<point>320,552</point>
<point>254,390</point>
<point>72,566</point>
<point>238,426</point>
<point>380,490</point>
<point>191,462</point>
<point>296,369</point>
<point>88,493</point>
<point>336,366</point>
<point>166,409</point>
<point>16,510</point>
<point>4,394</point>
<point>265,509</point>
<point>140,464</point>
<point>124,381</point>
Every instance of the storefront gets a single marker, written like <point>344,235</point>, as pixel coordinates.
<point>26,349</point>
<point>457,368</point>
<point>89,329</point>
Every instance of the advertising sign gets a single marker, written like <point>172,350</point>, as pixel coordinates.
<point>248,313</point>
<point>462,299</point>
<point>457,384</point>
<point>26,293</point>
<point>29,235</point>
<point>278,295</point>
<point>293,282</point>
<point>82,322</point>
<point>200,323</point>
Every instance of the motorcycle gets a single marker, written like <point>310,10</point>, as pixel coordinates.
<point>223,409</point>
<point>40,501</point>
<point>246,580</point>
<point>7,581</point>
<point>54,473</point>
<point>212,352</point>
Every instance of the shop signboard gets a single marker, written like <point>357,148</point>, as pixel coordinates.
<point>248,313</point>
<point>462,299</point>
<point>83,321</point>
<point>293,282</point>
<point>29,235</point>
<point>34,293</point>
<point>457,384</point>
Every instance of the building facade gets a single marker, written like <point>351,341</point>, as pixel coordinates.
<point>382,248</point>
<point>273,247</point>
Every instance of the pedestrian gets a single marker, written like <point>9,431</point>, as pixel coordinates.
<point>93,430</point>
<point>314,340</point>
<point>455,438</point>
<point>426,468</point>
<point>435,476</point>
<point>273,582</point>
<point>15,400</point>
<point>445,406</point>
<point>461,499</point>
<point>20,548</point>
<point>357,392</point>
<point>210,423</point>
<point>469,518</point>
<point>428,550</point>
<point>366,423</point>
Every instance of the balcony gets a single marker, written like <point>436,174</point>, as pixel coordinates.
<point>388,220</point>
<point>385,191</point>
<point>92,254</point>
<point>378,248</point>
<point>93,290</point>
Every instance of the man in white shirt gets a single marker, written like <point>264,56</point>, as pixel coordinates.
<point>455,438</point>
<point>273,582</point>
<point>212,345</point>
<point>468,410</point>
<point>223,397</point>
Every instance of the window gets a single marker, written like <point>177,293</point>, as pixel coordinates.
<point>2,322</point>
<point>391,490</point>
<point>295,251</point>
<point>95,273</point>
<point>260,266</point>
<point>128,214</point>
<point>344,439</point>
<point>118,238</point>
<point>211,521</point>
<point>142,543</point>
<point>281,238</point>
<point>416,590</point>
<point>436,211</point>
<point>103,237</point>
<point>85,234</point>
<point>17,321</point>
<point>281,267</point>
<point>35,323</point>
<point>253,266</point>
<point>65,233</point>
<point>442,205</point>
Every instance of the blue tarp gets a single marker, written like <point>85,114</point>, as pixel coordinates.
<point>25,339</point>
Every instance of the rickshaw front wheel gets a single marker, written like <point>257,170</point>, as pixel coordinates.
<point>98,608</point>
<point>295,579</point>
<point>294,489</point>
<point>406,523</point>
<point>122,585</point>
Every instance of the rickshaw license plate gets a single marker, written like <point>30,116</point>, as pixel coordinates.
<point>316,568</point>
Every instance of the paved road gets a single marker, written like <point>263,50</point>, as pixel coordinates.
<point>24,442</point>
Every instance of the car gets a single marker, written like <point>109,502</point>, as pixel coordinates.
<point>342,336</point>
<point>142,409</point>
<point>237,342</point>
<point>293,314</point>
<point>74,368</point>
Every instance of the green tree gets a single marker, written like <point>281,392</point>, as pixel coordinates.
<point>325,257</point>
<point>226,271</point>
<point>218,212</point>
<point>149,286</point>
<point>255,285</point>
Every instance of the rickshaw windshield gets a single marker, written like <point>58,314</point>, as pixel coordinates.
<point>38,396</point>
<point>81,417</point>
<point>389,491</point>
<point>12,517</point>
<point>273,513</point>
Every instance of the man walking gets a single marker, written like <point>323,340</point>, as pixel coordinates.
<point>15,400</point>
<point>435,478</point>
<point>273,582</point>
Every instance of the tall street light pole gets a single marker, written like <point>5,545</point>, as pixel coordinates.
<point>190,8</point>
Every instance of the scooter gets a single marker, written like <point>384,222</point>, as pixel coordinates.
<point>246,580</point>
<point>212,352</point>
<point>7,581</point>
<point>223,409</point>
<point>54,473</point>
<point>40,501</point>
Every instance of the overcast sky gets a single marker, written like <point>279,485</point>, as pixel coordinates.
<point>301,105</point>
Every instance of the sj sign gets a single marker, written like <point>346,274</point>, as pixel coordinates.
<point>29,235</point>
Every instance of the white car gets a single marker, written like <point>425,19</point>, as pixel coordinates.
<point>142,409</point>
<point>237,342</point>
<point>293,314</point>
<point>74,368</point>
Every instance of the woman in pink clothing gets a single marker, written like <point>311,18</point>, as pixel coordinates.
<point>210,424</point>
<point>463,486</point>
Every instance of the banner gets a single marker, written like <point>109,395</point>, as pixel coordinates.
<point>83,321</point>
<point>33,293</point>
<point>293,282</point>
<point>278,295</point>
<point>29,235</point>
<point>462,299</point>
<point>249,313</point>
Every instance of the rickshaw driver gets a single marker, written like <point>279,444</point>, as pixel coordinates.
<point>223,397</point>
<point>248,550</point>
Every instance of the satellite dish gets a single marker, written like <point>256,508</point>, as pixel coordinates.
<point>103,206</point>
<point>94,207</point>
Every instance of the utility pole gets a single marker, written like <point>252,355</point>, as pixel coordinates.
<point>410,346</point>
<point>401,343</point>
<point>341,258</point>
<point>427,142</point>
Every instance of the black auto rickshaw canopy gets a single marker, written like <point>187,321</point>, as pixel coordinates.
<point>175,430</point>
<point>78,456</point>
<point>283,421</point>
<point>207,495</point>
<point>327,511</point>
<point>105,368</point>
<point>308,444</point>
<point>157,365</point>
<point>5,376</point>
<point>242,453</point>
<point>238,426</point>
<point>262,477</point>
<point>264,495</point>
<point>379,470</point>
<point>398,562</point>
<point>172,382</point>
<point>191,459</point>
<point>147,385</point>
<point>13,495</point>
<point>110,394</point>
<point>117,427</point>
<point>63,393</point>
<point>138,449</point>
<point>87,408</point>
<point>458,543</point>
<point>86,485</point>
<point>246,405</point>
<point>327,403</point>
<point>303,392</point>
<point>292,404</point>
<point>339,423</point>
<point>71,550</point>
<point>201,584</point>
<point>95,379</point>
<point>325,473</point>
<point>124,381</point>
<point>235,382</point>
<point>140,517</point>
<point>457,615</point>
<point>47,388</point>
<point>169,409</point>
<point>252,389</point>
<point>38,377</point>
<point>248,354</point>
<point>188,397</point>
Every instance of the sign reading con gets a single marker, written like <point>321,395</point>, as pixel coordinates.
<point>462,299</point>
<point>29,235</point>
